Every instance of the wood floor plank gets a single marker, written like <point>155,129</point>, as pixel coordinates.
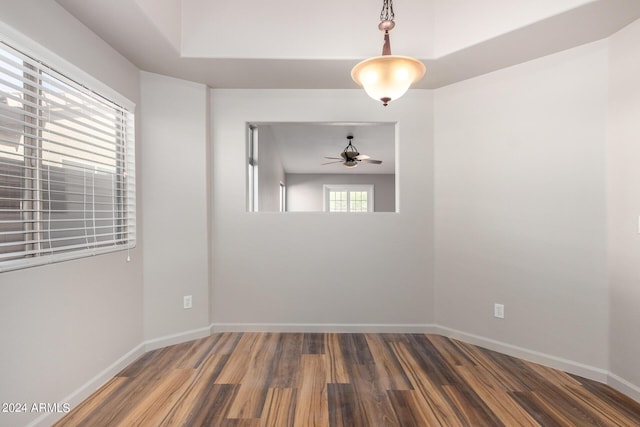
<point>155,363</point>
<point>154,406</point>
<point>254,385</point>
<point>373,397</point>
<point>450,352</point>
<point>91,407</point>
<point>313,343</point>
<point>469,407</point>
<point>213,408</point>
<point>496,398</point>
<point>544,414</point>
<point>287,361</point>
<point>552,376</point>
<point>197,351</point>
<point>345,410</point>
<point>558,401</point>
<point>131,392</point>
<point>236,368</point>
<point>337,372</point>
<point>227,343</point>
<point>610,400</point>
<point>410,410</point>
<point>200,349</point>
<point>333,380</point>
<point>388,369</point>
<point>279,408</point>
<point>311,408</point>
<point>510,373</point>
<point>196,401</point>
<point>430,361</point>
<point>354,349</point>
<point>420,380</point>
<point>607,410</point>
<point>235,422</point>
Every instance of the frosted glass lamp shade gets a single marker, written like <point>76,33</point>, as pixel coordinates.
<point>386,78</point>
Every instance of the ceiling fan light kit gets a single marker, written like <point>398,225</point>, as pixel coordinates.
<point>350,157</point>
<point>387,77</point>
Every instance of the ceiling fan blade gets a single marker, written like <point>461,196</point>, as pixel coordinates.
<point>329,163</point>
<point>375,162</point>
<point>334,158</point>
<point>362,157</point>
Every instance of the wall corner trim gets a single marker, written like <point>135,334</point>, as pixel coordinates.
<point>178,338</point>
<point>624,386</point>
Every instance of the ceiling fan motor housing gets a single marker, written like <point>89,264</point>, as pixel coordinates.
<point>351,157</point>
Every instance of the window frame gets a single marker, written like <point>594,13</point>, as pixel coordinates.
<point>328,188</point>
<point>123,196</point>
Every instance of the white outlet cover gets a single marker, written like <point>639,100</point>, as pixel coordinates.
<point>188,301</point>
<point>498,311</point>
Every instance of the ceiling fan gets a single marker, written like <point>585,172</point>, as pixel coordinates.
<point>350,157</point>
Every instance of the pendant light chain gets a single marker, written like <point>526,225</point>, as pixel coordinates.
<point>386,14</point>
<point>387,77</point>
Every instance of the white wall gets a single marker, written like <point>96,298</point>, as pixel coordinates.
<point>623,173</point>
<point>302,282</point>
<point>62,325</point>
<point>176,221</point>
<point>520,205</point>
<point>305,192</point>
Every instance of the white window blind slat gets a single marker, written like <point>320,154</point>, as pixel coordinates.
<point>13,120</point>
<point>67,167</point>
<point>15,70</point>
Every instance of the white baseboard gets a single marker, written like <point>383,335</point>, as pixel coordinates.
<point>406,328</point>
<point>624,386</point>
<point>560,363</point>
<point>88,388</point>
<point>178,338</point>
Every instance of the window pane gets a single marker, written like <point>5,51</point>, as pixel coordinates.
<point>358,201</point>
<point>338,201</point>
<point>67,178</point>
<point>79,160</point>
<point>12,160</point>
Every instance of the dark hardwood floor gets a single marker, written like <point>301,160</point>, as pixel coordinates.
<point>270,379</point>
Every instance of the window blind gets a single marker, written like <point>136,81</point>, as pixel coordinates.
<point>67,167</point>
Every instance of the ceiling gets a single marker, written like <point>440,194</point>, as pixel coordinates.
<point>293,44</point>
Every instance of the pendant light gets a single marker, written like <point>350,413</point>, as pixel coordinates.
<point>387,77</point>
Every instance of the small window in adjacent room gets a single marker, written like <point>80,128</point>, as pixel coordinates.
<point>283,197</point>
<point>348,198</point>
<point>252,164</point>
<point>67,178</point>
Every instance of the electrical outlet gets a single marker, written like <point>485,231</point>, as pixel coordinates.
<point>498,311</point>
<point>188,301</point>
